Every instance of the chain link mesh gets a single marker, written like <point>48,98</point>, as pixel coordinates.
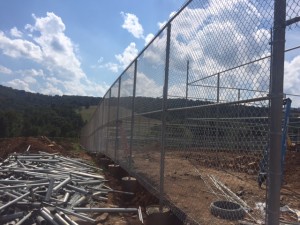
<point>211,132</point>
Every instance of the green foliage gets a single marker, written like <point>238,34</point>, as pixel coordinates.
<point>87,113</point>
<point>10,123</point>
<point>28,114</point>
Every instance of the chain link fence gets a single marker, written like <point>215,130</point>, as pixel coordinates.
<point>191,116</point>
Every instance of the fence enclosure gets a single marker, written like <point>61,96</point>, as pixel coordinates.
<point>194,113</point>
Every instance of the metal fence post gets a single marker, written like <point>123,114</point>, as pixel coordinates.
<point>102,127</point>
<point>277,68</point>
<point>107,122</point>
<point>218,88</point>
<point>187,82</point>
<point>164,115</point>
<point>117,121</point>
<point>132,115</point>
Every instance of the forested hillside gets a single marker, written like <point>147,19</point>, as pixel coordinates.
<point>29,114</point>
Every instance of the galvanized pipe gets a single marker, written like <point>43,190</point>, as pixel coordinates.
<point>60,220</point>
<point>106,210</point>
<point>84,217</point>
<point>65,182</point>
<point>88,175</point>
<point>79,190</point>
<point>79,163</point>
<point>80,201</point>
<point>40,220</point>
<point>10,217</point>
<point>24,186</point>
<point>16,200</point>
<point>21,164</point>
<point>47,217</point>
<point>24,218</point>
<point>68,219</point>
<point>50,189</point>
<point>66,197</point>
<point>29,204</point>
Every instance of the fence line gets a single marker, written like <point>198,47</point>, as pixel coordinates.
<point>195,115</point>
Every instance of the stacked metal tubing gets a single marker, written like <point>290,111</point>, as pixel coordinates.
<point>47,188</point>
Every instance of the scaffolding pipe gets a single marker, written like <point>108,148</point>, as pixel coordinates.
<point>10,217</point>
<point>68,219</point>
<point>106,210</point>
<point>84,217</point>
<point>24,218</point>
<point>60,220</point>
<point>49,190</point>
<point>41,221</point>
<point>79,190</point>
<point>47,217</point>
<point>17,199</point>
<point>65,182</point>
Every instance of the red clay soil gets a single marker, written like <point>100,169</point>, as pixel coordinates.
<point>183,174</point>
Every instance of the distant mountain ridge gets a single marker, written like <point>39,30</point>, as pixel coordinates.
<point>19,100</point>
<point>30,114</point>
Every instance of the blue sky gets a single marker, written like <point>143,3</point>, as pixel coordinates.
<point>83,46</point>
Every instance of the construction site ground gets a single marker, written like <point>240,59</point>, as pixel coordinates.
<point>68,147</point>
<point>186,179</point>
<point>189,187</point>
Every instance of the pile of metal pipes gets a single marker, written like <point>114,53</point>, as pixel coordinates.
<point>43,188</point>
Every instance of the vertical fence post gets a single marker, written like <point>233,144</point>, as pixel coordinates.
<point>102,127</point>
<point>132,115</point>
<point>277,69</point>
<point>107,122</point>
<point>187,82</point>
<point>218,88</point>
<point>217,143</point>
<point>186,104</point>
<point>164,115</point>
<point>117,121</point>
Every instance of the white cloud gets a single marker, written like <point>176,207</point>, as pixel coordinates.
<point>148,38</point>
<point>58,49</point>
<point>5,70</point>
<point>146,86</point>
<point>292,76</point>
<point>132,25</point>
<point>128,55</point>
<point>55,55</point>
<point>161,24</point>
<point>215,38</point>
<point>19,84</point>
<point>292,80</point>
<point>29,80</point>
<point>18,48</point>
<point>15,32</point>
<point>113,67</point>
<point>52,90</point>
<point>31,72</point>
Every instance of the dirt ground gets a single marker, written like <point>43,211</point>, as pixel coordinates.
<point>188,180</point>
<point>189,185</point>
<point>66,148</point>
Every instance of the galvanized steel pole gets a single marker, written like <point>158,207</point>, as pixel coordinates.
<point>132,115</point>
<point>117,121</point>
<point>107,122</point>
<point>164,115</point>
<point>274,175</point>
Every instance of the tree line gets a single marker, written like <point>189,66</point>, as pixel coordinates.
<point>29,114</point>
